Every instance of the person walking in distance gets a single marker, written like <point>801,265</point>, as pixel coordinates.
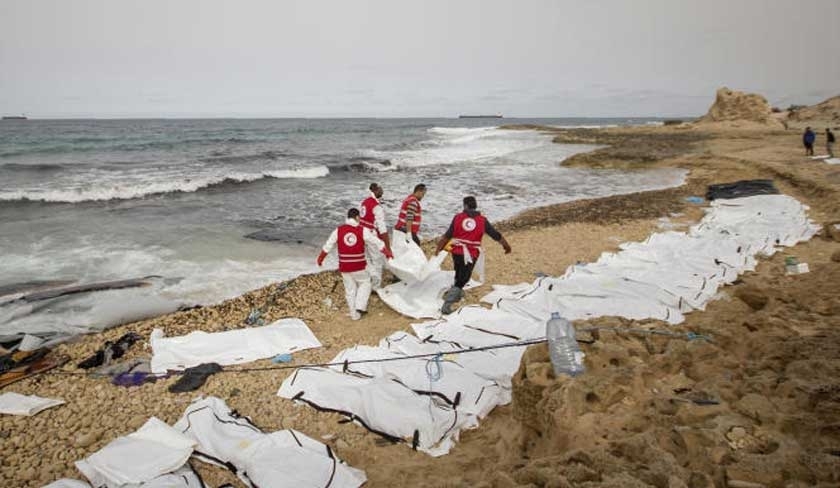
<point>411,213</point>
<point>372,216</point>
<point>352,239</point>
<point>808,138</point>
<point>464,238</point>
<point>829,142</point>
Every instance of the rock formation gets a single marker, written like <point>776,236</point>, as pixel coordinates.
<point>825,113</point>
<point>740,109</point>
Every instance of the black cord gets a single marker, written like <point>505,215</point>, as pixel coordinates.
<point>530,342</point>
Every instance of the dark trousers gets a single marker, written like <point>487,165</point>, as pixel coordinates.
<point>463,271</point>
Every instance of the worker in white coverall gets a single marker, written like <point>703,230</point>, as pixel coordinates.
<point>372,216</point>
<point>352,239</point>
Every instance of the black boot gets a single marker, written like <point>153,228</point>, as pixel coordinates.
<point>450,298</point>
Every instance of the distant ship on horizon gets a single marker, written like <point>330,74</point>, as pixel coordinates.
<point>14,117</point>
<point>496,116</point>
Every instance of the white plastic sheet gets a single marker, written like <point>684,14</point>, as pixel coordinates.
<point>183,477</point>
<point>382,405</point>
<point>497,365</point>
<point>282,459</point>
<point>152,451</point>
<point>16,404</point>
<point>475,326</point>
<point>67,483</point>
<point>418,299</point>
<point>419,294</point>
<point>670,273</point>
<point>230,347</point>
<point>421,299</point>
<point>456,385</point>
<point>410,263</point>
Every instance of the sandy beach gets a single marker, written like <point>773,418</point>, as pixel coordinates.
<point>773,366</point>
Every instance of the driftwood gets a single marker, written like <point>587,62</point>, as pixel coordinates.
<point>70,290</point>
<point>31,286</point>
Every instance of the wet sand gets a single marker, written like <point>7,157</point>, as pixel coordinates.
<point>774,365</point>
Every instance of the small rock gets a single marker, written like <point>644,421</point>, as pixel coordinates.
<point>831,231</point>
<point>85,440</point>
<point>732,483</point>
<point>756,407</point>
<point>736,433</point>
<point>720,455</point>
<point>675,482</point>
<point>136,422</point>
<point>28,474</point>
<point>752,296</point>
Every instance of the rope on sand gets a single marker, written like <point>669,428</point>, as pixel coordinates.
<point>436,357</point>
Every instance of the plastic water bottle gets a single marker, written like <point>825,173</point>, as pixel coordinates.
<point>566,356</point>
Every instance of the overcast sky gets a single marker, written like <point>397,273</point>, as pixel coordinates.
<point>393,58</point>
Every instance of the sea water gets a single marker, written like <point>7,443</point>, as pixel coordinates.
<point>214,208</point>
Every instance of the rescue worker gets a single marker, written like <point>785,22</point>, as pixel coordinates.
<point>352,239</point>
<point>410,213</point>
<point>372,216</point>
<point>463,239</point>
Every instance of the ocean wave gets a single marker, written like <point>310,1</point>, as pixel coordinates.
<point>133,191</point>
<point>361,164</point>
<point>84,145</point>
<point>457,131</point>
<point>452,145</point>
<point>245,158</point>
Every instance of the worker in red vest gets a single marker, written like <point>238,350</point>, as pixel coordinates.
<point>463,239</point>
<point>352,239</point>
<point>372,216</point>
<point>410,213</point>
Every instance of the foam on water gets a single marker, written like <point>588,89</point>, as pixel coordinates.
<point>97,186</point>
<point>452,145</point>
<point>181,280</point>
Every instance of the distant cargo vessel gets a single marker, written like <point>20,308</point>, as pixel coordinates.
<point>14,117</point>
<point>497,116</point>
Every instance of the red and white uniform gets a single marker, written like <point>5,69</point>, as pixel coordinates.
<point>467,232</point>
<point>351,248</point>
<point>352,239</point>
<point>372,215</point>
<point>410,205</point>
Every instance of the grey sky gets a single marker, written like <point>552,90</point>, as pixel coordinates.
<point>110,58</point>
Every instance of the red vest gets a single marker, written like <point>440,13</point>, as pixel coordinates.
<point>351,248</point>
<point>468,231</point>
<point>366,217</point>
<point>415,228</point>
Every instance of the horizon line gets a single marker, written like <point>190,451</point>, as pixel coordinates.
<point>307,117</point>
